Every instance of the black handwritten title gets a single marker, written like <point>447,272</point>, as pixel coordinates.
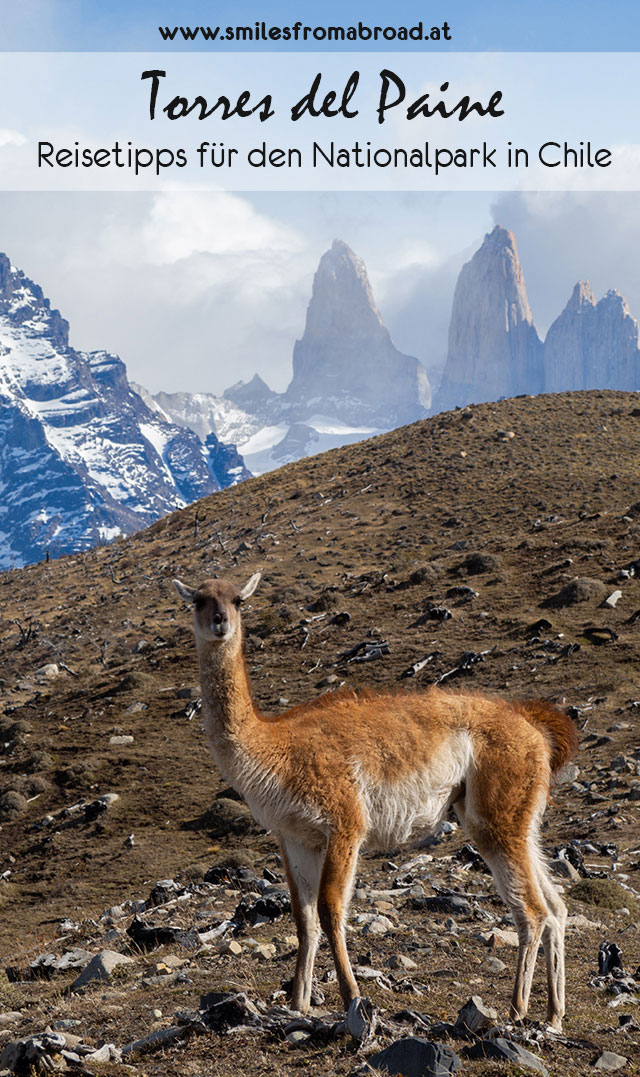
<point>318,101</point>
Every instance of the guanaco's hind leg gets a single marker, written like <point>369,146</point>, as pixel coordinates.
<point>506,836</point>
<point>553,942</point>
<point>303,869</point>
<point>333,902</point>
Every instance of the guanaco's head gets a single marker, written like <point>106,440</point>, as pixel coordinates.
<point>216,607</point>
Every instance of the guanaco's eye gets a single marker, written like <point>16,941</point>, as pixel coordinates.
<point>237,602</point>
<point>199,603</point>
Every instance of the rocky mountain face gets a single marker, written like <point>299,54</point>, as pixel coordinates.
<point>346,364</point>
<point>204,413</point>
<point>349,380</point>
<point>494,348</point>
<point>255,398</point>
<point>593,345</point>
<point>82,457</point>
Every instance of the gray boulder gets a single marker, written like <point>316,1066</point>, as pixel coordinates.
<point>416,1057</point>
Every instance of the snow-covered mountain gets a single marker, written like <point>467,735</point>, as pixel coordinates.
<point>349,380</point>
<point>82,457</point>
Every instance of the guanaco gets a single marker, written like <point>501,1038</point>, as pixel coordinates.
<point>378,768</point>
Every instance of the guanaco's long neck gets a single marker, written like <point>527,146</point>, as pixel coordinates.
<point>228,709</point>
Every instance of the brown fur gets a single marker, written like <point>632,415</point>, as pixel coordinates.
<point>326,775</point>
<point>556,725</point>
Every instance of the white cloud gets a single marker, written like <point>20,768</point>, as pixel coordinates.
<point>11,138</point>
<point>563,238</point>
<point>182,224</point>
<point>194,290</point>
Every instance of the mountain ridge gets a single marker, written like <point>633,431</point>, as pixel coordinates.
<point>82,457</point>
<point>348,381</point>
<point>494,348</point>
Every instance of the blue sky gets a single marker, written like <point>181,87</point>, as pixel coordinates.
<point>96,25</point>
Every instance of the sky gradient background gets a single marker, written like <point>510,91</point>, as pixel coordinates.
<point>196,290</point>
<point>561,25</point>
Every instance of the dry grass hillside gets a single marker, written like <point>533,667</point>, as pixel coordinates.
<point>484,540</point>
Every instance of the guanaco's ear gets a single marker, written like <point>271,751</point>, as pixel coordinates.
<point>250,587</point>
<point>185,592</point>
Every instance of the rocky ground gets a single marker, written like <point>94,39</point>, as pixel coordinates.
<point>483,548</point>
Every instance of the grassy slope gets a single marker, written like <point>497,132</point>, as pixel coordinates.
<point>345,531</point>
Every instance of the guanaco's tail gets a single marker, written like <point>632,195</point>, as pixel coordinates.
<point>557,726</point>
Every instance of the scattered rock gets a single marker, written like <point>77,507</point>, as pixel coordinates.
<point>416,1057</point>
<point>475,1017</point>
<point>297,1036</point>
<point>165,890</point>
<point>497,937</point>
<point>562,869</point>
<point>328,682</point>
<point>600,637</point>
<point>155,1039</point>
<point>231,947</point>
<point>380,925</point>
<point>613,599</point>
<point>401,961</point>
<point>45,965</point>
<point>271,906</point>
<point>47,672</point>
<point>33,1054</point>
<point>462,592</point>
<point>580,923</point>
<point>119,740</point>
<point>434,613</point>
<point>610,1062</point>
<point>236,870</point>
<point>451,903</point>
<point>506,1051</point>
<point>361,1019</point>
<point>266,951</point>
<point>609,958</point>
<point>221,1010</point>
<point>107,1053</point>
<point>493,964</point>
<point>10,1017</point>
<point>567,774</point>
<point>148,936</point>
<point>100,968</point>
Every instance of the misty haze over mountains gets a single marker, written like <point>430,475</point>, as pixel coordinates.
<point>494,347</point>
<point>85,455</point>
<point>349,381</point>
